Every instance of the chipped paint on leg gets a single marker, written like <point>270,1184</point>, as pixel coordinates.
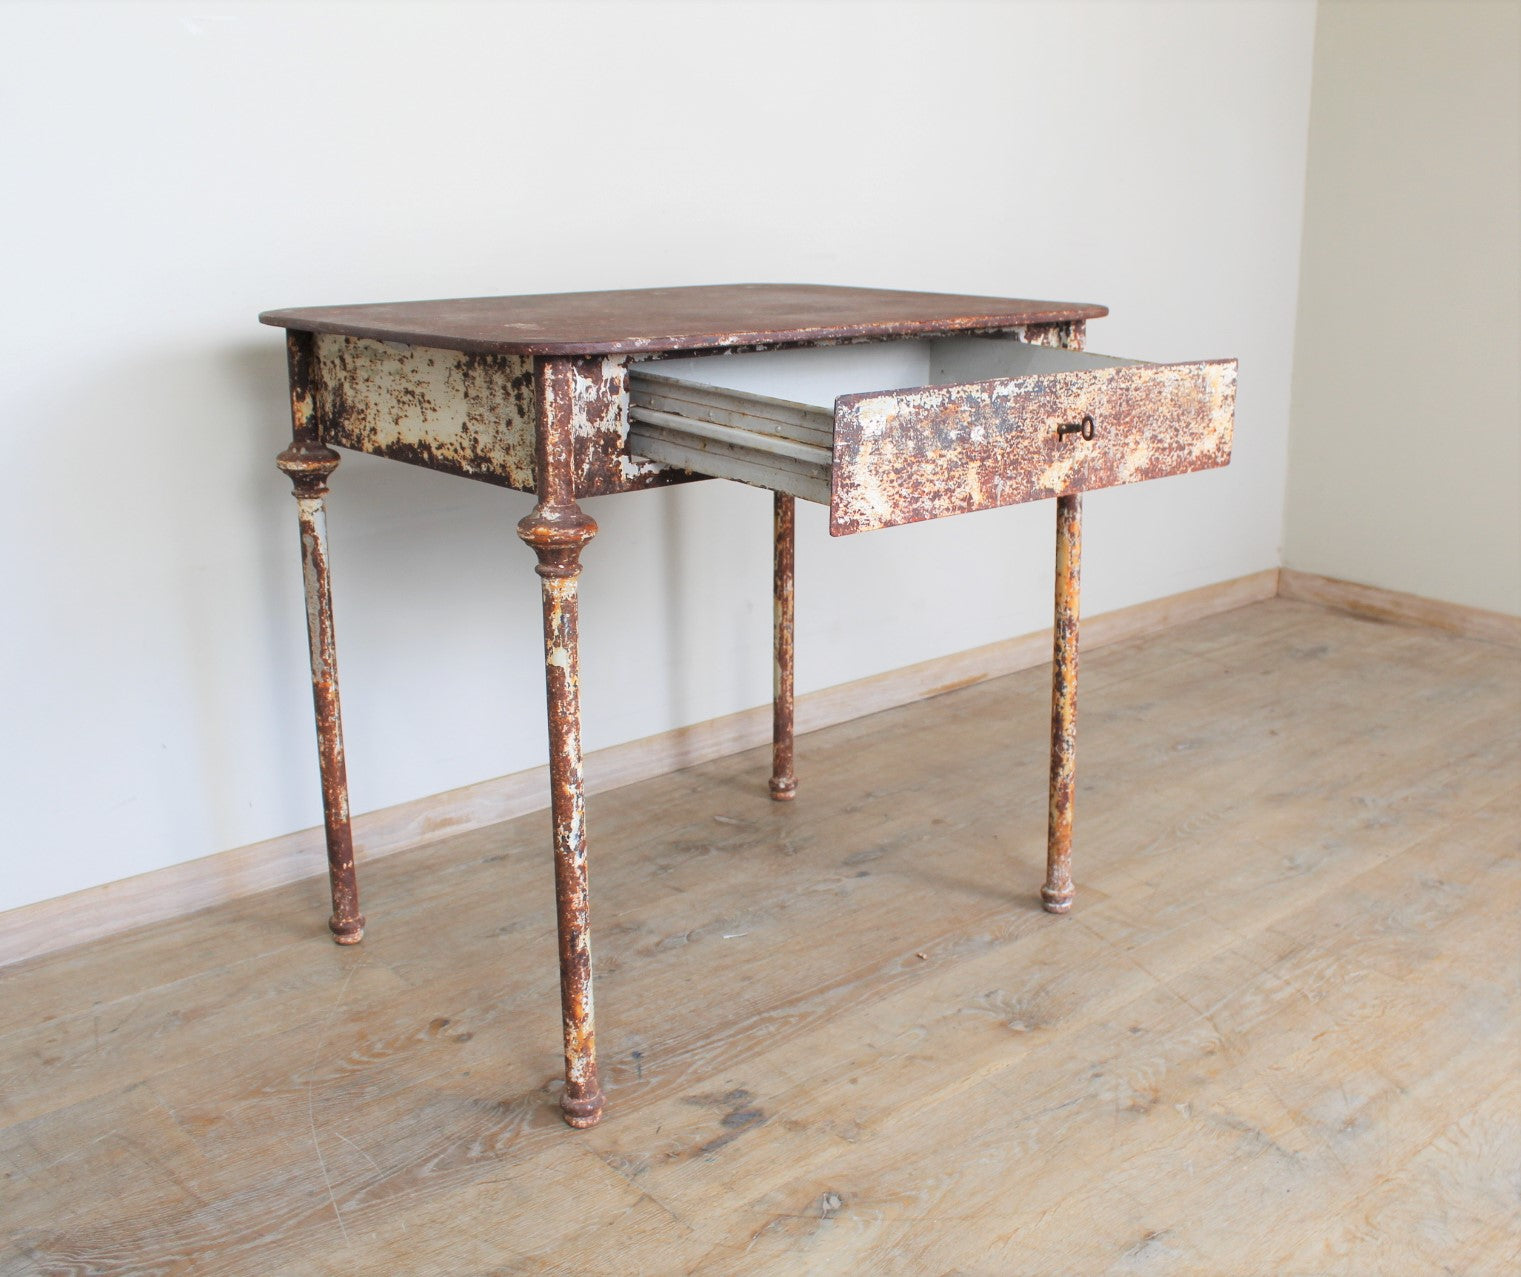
<point>308,465</point>
<point>783,777</point>
<point>1058,891</point>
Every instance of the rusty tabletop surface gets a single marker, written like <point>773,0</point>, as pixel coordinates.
<point>661,319</point>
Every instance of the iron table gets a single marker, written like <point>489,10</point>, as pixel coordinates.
<point>588,394</point>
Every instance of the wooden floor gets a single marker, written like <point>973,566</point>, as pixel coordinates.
<point>1278,1034</point>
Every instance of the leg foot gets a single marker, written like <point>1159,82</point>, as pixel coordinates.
<point>346,930</point>
<point>783,790</point>
<point>581,1111</point>
<point>1057,901</point>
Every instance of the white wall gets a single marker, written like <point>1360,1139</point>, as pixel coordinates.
<point>1405,461</point>
<point>170,170</point>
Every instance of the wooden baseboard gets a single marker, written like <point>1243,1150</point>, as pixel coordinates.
<point>113,907</point>
<point>1409,609</point>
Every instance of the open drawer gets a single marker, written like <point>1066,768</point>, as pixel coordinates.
<point>986,422</point>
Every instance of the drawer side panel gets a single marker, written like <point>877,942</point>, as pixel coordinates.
<point>464,414</point>
<point>906,456</point>
<point>473,414</point>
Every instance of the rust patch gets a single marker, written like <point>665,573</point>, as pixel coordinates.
<point>1069,335</point>
<point>599,401</point>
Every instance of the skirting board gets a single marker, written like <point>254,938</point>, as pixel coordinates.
<point>1409,609</point>
<point>33,930</point>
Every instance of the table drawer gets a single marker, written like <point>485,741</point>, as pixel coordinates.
<point>986,422</point>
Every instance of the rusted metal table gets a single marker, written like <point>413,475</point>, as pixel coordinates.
<point>566,396</point>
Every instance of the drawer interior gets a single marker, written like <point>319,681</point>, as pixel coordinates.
<point>767,417</point>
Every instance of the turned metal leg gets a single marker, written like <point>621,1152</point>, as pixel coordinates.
<point>556,531</point>
<point>1058,891</point>
<point>307,463</point>
<point>556,536</point>
<point>783,779</point>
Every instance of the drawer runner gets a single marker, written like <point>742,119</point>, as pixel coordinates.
<point>769,443</point>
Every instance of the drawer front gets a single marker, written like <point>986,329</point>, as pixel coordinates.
<point>907,455</point>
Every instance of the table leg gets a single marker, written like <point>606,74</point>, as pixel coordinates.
<point>1058,891</point>
<point>556,531</point>
<point>783,778</point>
<point>557,535</point>
<point>308,464</point>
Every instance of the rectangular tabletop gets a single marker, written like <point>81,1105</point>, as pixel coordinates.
<point>661,319</point>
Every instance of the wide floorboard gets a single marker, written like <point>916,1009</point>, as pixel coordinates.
<point>1278,1034</point>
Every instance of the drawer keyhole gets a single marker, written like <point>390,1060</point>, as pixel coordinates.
<point>1083,427</point>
